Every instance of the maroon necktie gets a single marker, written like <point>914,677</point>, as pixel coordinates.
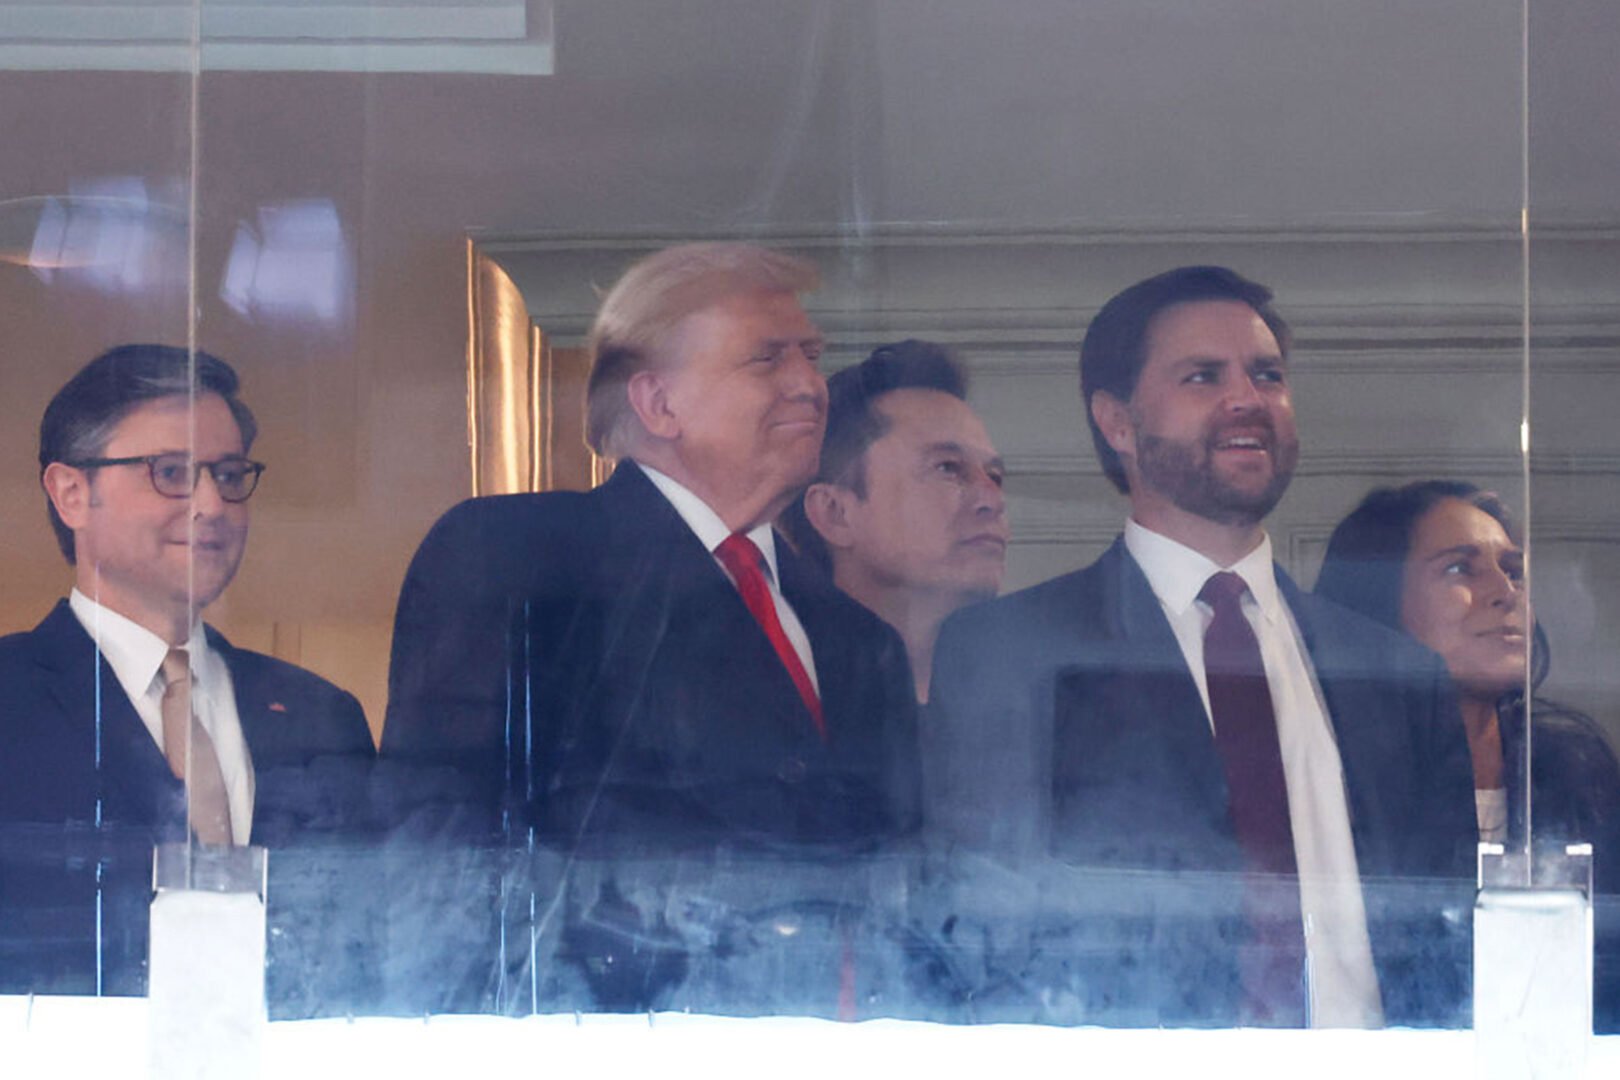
<point>745,563</point>
<point>1246,736</point>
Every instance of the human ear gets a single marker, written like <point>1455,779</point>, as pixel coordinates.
<point>69,491</point>
<point>1113,419</point>
<point>649,397</point>
<point>827,508</point>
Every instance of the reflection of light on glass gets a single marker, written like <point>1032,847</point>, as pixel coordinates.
<point>292,267</point>
<point>105,232</point>
<point>1524,436</point>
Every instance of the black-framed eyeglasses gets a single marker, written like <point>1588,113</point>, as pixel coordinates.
<point>175,474</point>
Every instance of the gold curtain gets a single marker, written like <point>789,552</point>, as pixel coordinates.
<point>525,397</point>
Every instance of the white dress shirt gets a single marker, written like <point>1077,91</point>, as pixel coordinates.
<point>135,655</point>
<point>1343,984</point>
<point>703,521</point>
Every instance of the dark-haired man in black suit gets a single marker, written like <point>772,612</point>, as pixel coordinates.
<point>125,721</point>
<point>1230,763</point>
<point>906,513</point>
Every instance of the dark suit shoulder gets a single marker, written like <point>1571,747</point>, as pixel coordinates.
<point>18,651</point>
<point>57,632</point>
<point>1350,642</point>
<point>1027,625</point>
<point>496,541</point>
<point>30,721</point>
<point>287,710</point>
<point>806,587</point>
<point>522,511</point>
<point>483,561</point>
<point>44,671</point>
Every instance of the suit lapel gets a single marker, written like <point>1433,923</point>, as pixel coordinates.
<point>264,726</point>
<point>1348,694</point>
<point>1137,779</point>
<point>133,779</point>
<point>830,642</point>
<point>1168,691</point>
<point>262,723</point>
<point>673,597</point>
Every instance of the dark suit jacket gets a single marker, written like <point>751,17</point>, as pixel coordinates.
<point>578,665</point>
<point>85,793</point>
<point>583,661</point>
<point>1070,729</point>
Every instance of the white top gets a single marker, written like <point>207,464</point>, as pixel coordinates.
<point>1343,983</point>
<point>712,532</point>
<point>1491,810</point>
<point>135,655</point>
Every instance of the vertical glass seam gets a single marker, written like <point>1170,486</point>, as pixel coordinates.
<point>1524,417</point>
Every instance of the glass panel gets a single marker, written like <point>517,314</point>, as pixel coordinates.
<point>1573,341</point>
<point>603,786</point>
<point>95,234</point>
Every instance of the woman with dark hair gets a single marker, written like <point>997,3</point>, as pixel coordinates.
<point>1440,559</point>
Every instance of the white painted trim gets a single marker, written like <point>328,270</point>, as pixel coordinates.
<point>501,59</point>
<point>492,37</point>
<point>108,21</point>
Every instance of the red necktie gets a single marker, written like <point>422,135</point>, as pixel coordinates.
<point>742,559</point>
<point>1246,736</point>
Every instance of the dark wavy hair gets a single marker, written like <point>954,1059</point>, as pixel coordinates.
<point>1575,774</point>
<point>854,422</point>
<point>82,417</point>
<point>1365,565</point>
<point>1115,346</point>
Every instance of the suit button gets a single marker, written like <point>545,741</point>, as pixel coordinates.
<point>792,771</point>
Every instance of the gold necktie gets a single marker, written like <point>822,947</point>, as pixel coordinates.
<point>192,756</point>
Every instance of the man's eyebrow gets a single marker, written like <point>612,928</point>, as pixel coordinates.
<point>1471,550</point>
<point>777,344</point>
<point>1204,360</point>
<point>947,446</point>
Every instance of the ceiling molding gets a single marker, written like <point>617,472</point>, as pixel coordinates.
<point>1371,464</point>
<point>1575,532</point>
<point>1373,228</point>
<point>1402,227</point>
<point>1390,283</point>
<point>1303,542</point>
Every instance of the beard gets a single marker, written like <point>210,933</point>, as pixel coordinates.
<point>1184,471</point>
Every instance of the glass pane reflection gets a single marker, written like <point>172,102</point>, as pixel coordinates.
<point>981,180</point>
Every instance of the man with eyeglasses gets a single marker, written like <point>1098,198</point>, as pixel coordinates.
<point>124,721</point>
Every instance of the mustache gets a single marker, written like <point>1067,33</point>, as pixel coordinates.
<point>1260,425</point>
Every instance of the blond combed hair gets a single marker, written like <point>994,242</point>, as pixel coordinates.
<point>640,313</point>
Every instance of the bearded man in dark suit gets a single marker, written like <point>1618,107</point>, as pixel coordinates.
<point>143,459</point>
<point>1261,799</point>
<point>647,670</point>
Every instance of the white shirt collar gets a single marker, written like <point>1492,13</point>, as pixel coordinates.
<point>133,652</point>
<point>1177,573</point>
<point>703,521</point>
